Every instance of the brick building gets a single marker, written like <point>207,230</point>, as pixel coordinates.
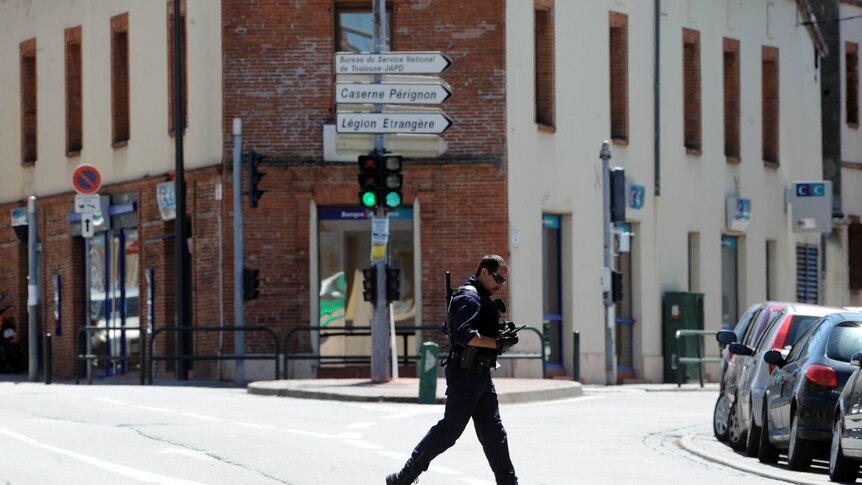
<point>713,108</point>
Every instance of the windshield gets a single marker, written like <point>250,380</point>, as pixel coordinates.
<point>844,341</point>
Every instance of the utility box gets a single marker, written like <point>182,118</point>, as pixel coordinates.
<point>681,311</point>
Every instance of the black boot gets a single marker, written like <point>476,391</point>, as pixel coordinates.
<point>406,476</point>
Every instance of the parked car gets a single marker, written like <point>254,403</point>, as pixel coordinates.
<point>803,390</point>
<point>783,330</point>
<point>845,451</point>
<point>748,330</point>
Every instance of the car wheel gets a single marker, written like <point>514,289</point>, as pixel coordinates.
<point>719,417</point>
<point>752,441</point>
<point>841,469</point>
<point>799,449</point>
<point>767,452</point>
<point>735,431</point>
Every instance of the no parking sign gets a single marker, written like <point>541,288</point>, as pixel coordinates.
<point>86,179</point>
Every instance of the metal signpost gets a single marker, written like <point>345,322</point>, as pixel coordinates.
<point>388,127</point>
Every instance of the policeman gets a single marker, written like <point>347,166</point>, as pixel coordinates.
<point>475,328</point>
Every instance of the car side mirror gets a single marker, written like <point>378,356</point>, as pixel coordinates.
<point>856,360</point>
<point>725,337</point>
<point>774,357</point>
<point>739,349</point>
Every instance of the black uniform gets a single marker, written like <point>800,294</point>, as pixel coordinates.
<point>470,392</point>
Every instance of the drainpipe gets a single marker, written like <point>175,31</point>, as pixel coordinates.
<point>657,100</point>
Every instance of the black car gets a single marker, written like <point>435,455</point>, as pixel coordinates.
<point>846,449</point>
<point>803,390</point>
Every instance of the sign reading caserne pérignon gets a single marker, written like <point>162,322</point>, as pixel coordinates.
<point>392,93</point>
<point>811,205</point>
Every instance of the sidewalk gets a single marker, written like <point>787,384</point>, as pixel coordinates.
<point>406,390</point>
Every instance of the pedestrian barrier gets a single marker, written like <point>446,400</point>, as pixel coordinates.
<point>678,361</point>
<point>229,328</point>
<point>405,358</point>
<point>89,358</point>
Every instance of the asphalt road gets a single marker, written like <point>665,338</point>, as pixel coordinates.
<point>109,434</point>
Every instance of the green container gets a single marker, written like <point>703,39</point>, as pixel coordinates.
<point>681,311</point>
<point>428,373</point>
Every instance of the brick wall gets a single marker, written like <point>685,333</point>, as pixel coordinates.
<point>278,76</point>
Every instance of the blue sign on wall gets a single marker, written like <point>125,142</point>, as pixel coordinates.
<point>813,189</point>
<point>358,214</point>
<point>636,196</point>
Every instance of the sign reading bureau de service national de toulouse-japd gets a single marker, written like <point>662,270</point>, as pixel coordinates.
<point>391,63</point>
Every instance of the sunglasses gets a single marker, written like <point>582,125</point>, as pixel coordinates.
<point>499,279</point>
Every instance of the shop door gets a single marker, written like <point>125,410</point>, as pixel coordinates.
<point>113,265</point>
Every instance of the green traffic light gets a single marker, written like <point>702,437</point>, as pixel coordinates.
<point>369,200</point>
<point>393,199</point>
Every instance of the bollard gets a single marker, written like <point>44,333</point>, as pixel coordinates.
<point>428,374</point>
<point>47,358</point>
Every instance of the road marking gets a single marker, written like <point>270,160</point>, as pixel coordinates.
<point>475,481</point>
<point>197,455</point>
<point>363,444</point>
<point>201,417</point>
<point>158,410</point>
<point>252,425</point>
<point>313,434</point>
<point>113,467</point>
<point>360,425</point>
<point>111,401</point>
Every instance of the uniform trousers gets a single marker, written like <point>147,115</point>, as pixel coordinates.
<point>469,395</point>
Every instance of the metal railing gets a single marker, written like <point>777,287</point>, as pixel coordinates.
<point>90,357</point>
<point>273,356</point>
<point>678,361</point>
<point>405,358</point>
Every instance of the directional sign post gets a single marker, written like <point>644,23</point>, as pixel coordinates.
<point>432,123</point>
<point>86,179</point>
<point>392,93</point>
<point>391,63</point>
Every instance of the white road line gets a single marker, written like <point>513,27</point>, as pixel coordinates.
<point>197,455</point>
<point>394,455</point>
<point>112,467</point>
<point>158,410</point>
<point>111,401</point>
<point>360,425</point>
<point>202,417</point>
<point>363,444</point>
<point>349,436</point>
<point>475,481</point>
<point>313,434</point>
<point>252,425</point>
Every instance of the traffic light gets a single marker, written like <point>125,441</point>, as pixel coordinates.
<point>391,181</point>
<point>393,283</point>
<point>254,193</point>
<point>250,283</point>
<point>618,194</point>
<point>369,284</point>
<point>369,181</point>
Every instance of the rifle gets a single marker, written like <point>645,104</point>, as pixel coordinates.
<point>449,332</point>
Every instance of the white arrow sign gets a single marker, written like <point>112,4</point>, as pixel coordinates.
<point>407,144</point>
<point>390,93</point>
<point>391,63</point>
<point>433,123</point>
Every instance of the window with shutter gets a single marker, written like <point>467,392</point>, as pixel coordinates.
<point>807,284</point>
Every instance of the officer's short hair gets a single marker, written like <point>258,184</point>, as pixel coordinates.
<point>492,262</point>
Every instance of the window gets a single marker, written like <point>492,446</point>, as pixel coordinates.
<point>28,102</point>
<point>851,65</point>
<point>807,284</point>
<point>552,276</point>
<point>120,79</point>
<point>74,93</point>
<point>731,100</point>
<point>770,104</point>
<point>771,267</point>
<point>691,90</point>
<point>171,66</point>
<point>729,281</point>
<point>854,250</point>
<point>544,59</point>
<point>619,63</point>
<point>354,29</point>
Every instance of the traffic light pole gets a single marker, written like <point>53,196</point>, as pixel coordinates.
<point>239,315</point>
<point>380,371</point>
<point>608,301</point>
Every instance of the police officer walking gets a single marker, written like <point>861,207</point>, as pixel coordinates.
<point>477,335</point>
